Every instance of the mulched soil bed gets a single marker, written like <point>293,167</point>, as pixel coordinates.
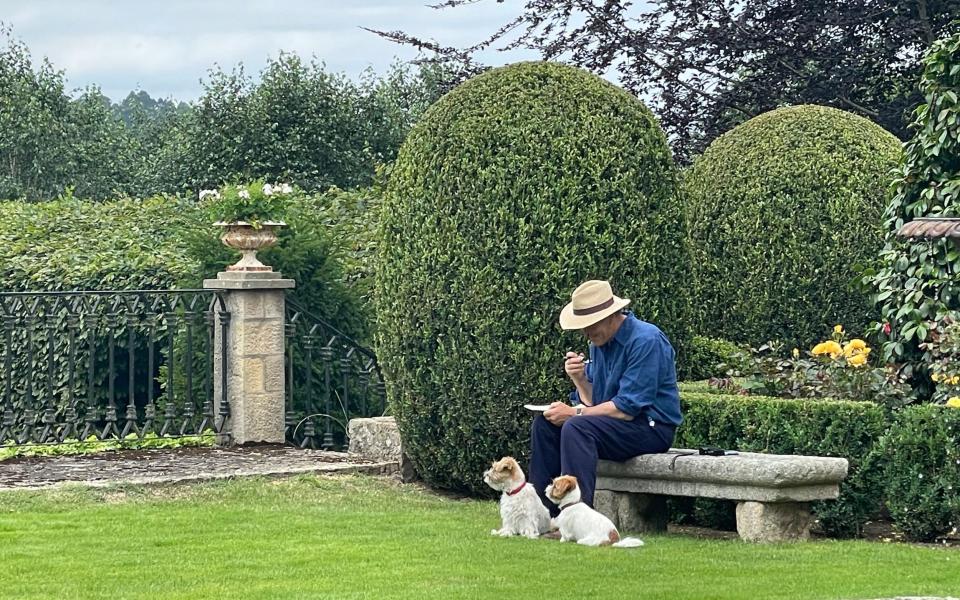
<point>180,464</point>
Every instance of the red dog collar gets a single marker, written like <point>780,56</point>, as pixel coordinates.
<point>516,491</point>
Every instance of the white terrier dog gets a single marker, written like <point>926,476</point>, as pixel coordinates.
<point>521,511</point>
<point>580,523</point>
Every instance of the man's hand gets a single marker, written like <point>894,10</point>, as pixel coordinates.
<point>558,413</point>
<point>574,367</point>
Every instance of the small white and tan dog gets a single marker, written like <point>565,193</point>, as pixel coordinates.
<point>581,524</point>
<point>521,511</point>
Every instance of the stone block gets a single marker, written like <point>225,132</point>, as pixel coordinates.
<point>252,374</point>
<point>261,336</point>
<point>642,513</point>
<point>274,376</point>
<point>273,305</point>
<point>378,439</point>
<point>774,522</point>
<point>258,418</point>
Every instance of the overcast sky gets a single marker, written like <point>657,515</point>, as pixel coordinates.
<point>166,47</point>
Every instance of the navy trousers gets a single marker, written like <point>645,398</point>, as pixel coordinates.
<point>575,448</point>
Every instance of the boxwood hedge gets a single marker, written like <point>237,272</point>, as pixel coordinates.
<point>783,210</point>
<point>921,457</point>
<point>513,189</point>
<point>811,427</point>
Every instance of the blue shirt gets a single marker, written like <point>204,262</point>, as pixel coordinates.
<point>637,371</point>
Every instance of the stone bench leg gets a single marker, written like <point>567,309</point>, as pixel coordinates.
<point>774,521</point>
<point>642,513</point>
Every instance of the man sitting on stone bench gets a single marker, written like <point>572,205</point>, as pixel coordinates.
<point>626,400</point>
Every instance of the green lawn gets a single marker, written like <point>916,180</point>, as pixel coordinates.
<point>358,537</point>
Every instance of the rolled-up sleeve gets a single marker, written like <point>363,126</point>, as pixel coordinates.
<point>639,383</point>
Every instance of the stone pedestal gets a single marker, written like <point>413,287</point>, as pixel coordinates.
<point>255,344</point>
<point>378,439</point>
<point>774,521</point>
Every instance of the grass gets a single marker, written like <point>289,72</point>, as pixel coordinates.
<point>360,537</point>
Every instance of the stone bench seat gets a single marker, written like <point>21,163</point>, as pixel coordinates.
<point>773,491</point>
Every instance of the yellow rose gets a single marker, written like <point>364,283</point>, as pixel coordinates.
<point>838,329</point>
<point>935,377</point>
<point>796,353</point>
<point>954,402</point>
<point>855,346</point>
<point>954,380</point>
<point>857,360</point>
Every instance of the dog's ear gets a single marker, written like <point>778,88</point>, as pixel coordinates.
<point>509,464</point>
<point>563,485</point>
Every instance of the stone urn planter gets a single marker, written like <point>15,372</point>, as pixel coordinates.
<point>248,239</point>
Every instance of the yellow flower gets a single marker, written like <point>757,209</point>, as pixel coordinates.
<point>829,347</point>
<point>954,380</point>
<point>935,377</point>
<point>796,353</point>
<point>857,360</point>
<point>954,402</point>
<point>855,346</point>
<point>838,329</point>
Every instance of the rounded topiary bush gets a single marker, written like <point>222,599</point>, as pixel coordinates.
<point>513,189</point>
<point>783,211</point>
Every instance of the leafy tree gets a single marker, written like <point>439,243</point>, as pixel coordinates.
<point>709,65</point>
<point>33,115</point>
<point>300,124</point>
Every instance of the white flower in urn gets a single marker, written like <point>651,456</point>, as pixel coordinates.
<point>267,189</point>
<point>244,194</point>
<point>286,188</point>
<point>209,194</point>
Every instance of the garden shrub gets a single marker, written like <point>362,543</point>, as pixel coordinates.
<point>916,285</point>
<point>810,427</point>
<point>513,189</point>
<point>713,357</point>
<point>921,453</point>
<point>781,211</point>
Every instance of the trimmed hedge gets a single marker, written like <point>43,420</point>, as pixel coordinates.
<point>781,211</point>
<point>513,189</point>
<point>811,427</point>
<point>921,454</point>
<point>712,357</point>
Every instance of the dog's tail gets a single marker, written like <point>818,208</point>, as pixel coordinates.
<point>628,542</point>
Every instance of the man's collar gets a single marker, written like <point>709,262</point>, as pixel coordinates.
<point>626,328</point>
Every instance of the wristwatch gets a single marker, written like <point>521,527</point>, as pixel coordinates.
<point>579,410</point>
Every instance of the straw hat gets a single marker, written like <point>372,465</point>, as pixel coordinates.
<point>590,303</point>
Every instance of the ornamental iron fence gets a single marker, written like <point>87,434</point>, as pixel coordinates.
<point>330,379</point>
<point>109,364</point>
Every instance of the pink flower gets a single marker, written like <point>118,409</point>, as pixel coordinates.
<point>886,329</point>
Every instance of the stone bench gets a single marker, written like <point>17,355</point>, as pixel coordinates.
<point>773,492</point>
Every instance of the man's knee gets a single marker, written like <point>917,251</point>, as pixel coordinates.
<point>574,427</point>
<point>541,425</point>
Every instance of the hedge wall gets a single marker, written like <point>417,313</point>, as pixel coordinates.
<point>783,210</point>
<point>921,458</point>
<point>813,427</point>
<point>512,190</point>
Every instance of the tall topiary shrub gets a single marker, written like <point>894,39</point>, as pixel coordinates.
<point>782,209</point>
<point>916,284</point>
<point>514,188</point>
